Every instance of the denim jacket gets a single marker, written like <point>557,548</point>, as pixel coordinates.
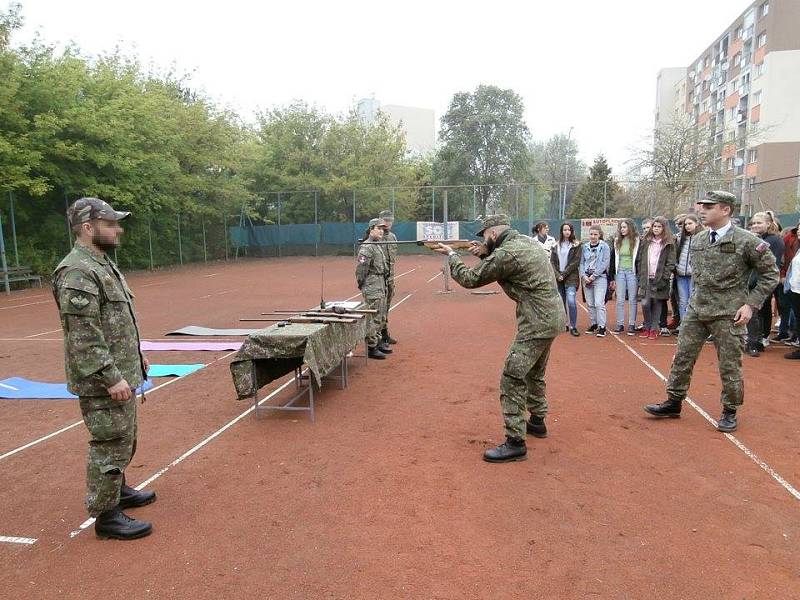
<point>603,259</point>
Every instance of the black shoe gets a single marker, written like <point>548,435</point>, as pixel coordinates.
<point>387,339</point>
<point>117,525</point>
<point>792,355</point>
<point>513,449</point>
<point>574,332</point>
<point>618,330</point>
<point>780,337</point>
<point>668,408</point>
<point>727,422</point>
<point>384,347</point>
<point>536,427</point>
<point>601,332</point>
<point>592,328</point>
<point>753,351</point>
<point>631,329</point>
<point>373,352</point>
<point>131,498</point>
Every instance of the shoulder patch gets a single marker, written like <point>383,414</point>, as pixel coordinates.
<point>362,258</point>
<point>762,247</point>
<point>79,302</point>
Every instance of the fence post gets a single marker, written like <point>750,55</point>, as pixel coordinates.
<point>355,236</point>
<point>316,222</point>
<point>66,219</point>
<point>446,267</point>
<point>530,208</point>
<point>3,258</point>
<point>14,229</point>
<point>605,193</point>
<point>393,204</point>
<point>150,240</point>
<point>225,232</point>
<point>474,203</point>
<point>279,223</point>
<point>433,204</point>
<point>205,252</point>
<point>180,246</point>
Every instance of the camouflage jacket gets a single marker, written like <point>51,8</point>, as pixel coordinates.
<point>101,338</point>
<point>371,270</point>
<point>720,273</point>
<point>522,268</point>
<point>390,252</point>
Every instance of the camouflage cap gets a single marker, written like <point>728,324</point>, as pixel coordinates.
<point>86,209</point>
<point>376,222</point>
<point>718,197</point>
<point>386,214</point>
<point>493,221</point>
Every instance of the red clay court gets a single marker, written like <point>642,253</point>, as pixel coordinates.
<point>386,495</point>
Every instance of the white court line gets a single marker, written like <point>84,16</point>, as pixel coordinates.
<point>732,438</point>
<point>439,274</point>
<point>88,522</point>
<point>76,423</point>
<point>212,275</point>
<point>31,339</point>
<point>21,299</point>
<point>28,304</point>
<point>43,333</point>
<point>8,539</point>
<point>152,284</point>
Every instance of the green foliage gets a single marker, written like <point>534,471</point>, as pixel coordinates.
<point>596,196</point>
<point>485,142</point>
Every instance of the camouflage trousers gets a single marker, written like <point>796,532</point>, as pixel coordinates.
<point>522,385</point>
<point>377,321</point>
<point>729,342</point>
<point>112,427</point>
<point>389,297</point>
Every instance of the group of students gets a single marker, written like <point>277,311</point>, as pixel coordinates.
<point>654,268</point>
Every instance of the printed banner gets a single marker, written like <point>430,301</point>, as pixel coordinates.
<point>429,230</point>
<point>609,227</point>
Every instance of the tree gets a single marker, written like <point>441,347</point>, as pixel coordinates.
<point>484,142</point>
<point>552,161</point>
<point>597,194</point>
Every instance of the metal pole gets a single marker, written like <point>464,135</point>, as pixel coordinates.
<point>205,251</point>
<point>516,202</point>
<point>180,246</point>
<point>446,267</point>
<point>150,241</point>
<point>605,193</point>
<point>66,219</point>
<point>474,203</point>
<point>14,229</point>
<point>316,222</point>
<point>433,204</point>
<point>566,170</point>
<point>225,232</point>
<point>279,223</point>
<point>530,209</point>
<point>3,258</point>
<point>355,235</point>
<point>393,203</point>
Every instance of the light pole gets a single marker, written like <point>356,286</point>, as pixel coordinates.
<point>566,170</point>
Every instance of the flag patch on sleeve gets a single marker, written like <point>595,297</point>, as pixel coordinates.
<point>762,247</point>
<point>362,259</point>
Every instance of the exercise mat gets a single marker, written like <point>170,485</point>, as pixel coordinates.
<point>173,370</point>
<point>190,346</point>
<point>19,388</point>
<point>195,330</point>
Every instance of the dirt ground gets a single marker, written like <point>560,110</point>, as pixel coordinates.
<point>386,495</point>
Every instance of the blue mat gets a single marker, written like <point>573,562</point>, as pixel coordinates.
<point>173,370</point>
<point>19,388</point>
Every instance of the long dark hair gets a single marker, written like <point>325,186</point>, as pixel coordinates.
<point>632,236</point>
<point>571,239</point>
<point>666,235</point>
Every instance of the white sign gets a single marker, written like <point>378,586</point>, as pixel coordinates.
<point>430,230</point>
<point>609,227</point>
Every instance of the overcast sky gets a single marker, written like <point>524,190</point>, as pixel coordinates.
<point>585,64</point>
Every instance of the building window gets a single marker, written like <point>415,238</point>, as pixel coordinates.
<point>730,164</point>
<point>760,69</point>
<point>732,113</point>
<point>706,61</point>
<point>752,155</point>
<point>737,59</point>
<point>739,32</point>
<point>757,98</point>
<point>753,127</point>
<point>762,40</point>
<point>765,9</point>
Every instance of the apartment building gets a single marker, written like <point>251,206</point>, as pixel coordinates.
<point>743,92</point>
<point>419,124</point>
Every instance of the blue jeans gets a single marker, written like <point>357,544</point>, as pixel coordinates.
<point>570,305</point>
<point>684,293</point>
<point>626,283</point>
<point>596,300</point>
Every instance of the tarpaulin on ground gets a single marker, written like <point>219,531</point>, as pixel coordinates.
<point>19,388</point>
<point>189,346</point>
<point>195,330</point>
<point>173,370</point>
<point>279,350</point>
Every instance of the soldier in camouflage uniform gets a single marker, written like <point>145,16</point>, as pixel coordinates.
<point>103,362</point>
<point>390,251</point>
<point>522,268</point>
<point>371,278</point>
<point>723,256</point>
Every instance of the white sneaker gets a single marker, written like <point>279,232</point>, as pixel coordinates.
<point>665,331</point>
<point>765,342</point>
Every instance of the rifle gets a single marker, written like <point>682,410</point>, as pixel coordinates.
<point>315,313</point>
<point>333,310</point>
<point>304,319</point>
<point>431,244</point>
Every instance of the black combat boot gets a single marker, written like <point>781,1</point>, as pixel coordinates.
<point>668,408</point>
<point>384,347</point>
<point>727,422</point>
<point>536,427</point>
<point>387,339</point>
<point>513,449</point>
<point>117,525</point>
<point>132,498</point>
<point>373,352</point>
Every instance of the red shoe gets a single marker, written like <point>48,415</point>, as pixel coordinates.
<point>673,323</point>
<point>645,334</point>
<point>653,335</point>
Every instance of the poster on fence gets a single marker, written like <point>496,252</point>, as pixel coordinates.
<point>429,230</point>
<point>609,227</point>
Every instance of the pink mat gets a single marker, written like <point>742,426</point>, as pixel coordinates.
<point>189,346</point>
